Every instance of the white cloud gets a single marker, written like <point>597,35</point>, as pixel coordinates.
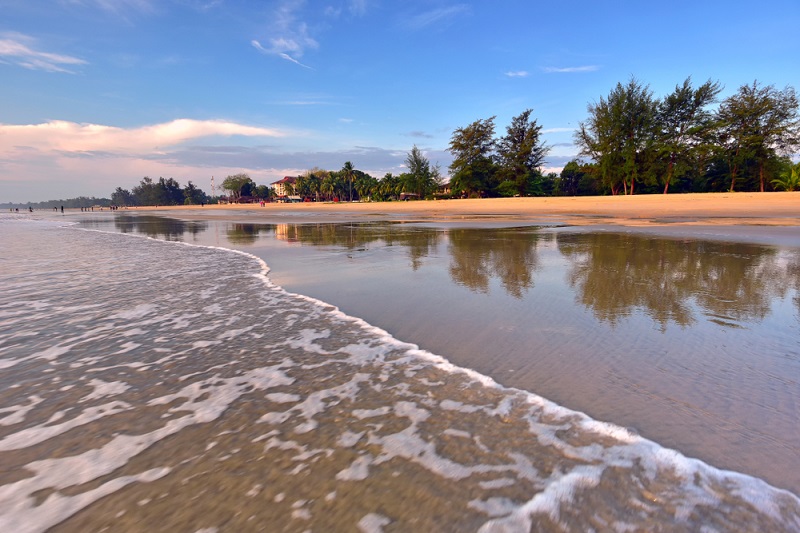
<point>20,49</point>
<point>60,159</point>
<point>70,137</point>
<point>557,130</point>
<point>517,74</point>
<point>585,68</point>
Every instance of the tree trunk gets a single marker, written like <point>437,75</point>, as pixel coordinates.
<point>761,174</point>
<point>669,174</point>
<point>733,177</point>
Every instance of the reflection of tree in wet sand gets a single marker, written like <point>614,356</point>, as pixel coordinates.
<point>793,272</point>
<point>615,274</point>
<point>168,229</point>
<point>247,233</point>
<point>355,237</point>
<point>477,255</point>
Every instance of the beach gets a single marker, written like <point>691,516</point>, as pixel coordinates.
<point>774,209</point>
<point>673,408</point>
<point>673,319</point>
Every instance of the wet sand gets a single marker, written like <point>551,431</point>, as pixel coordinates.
<point>768,218</point>
<point>670,402</point>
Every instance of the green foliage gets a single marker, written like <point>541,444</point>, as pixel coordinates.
<point>619,136</point>
<point>473,167</point>
<point>789,180</point>
<point>162,192</point>
<point>68,203</point>
<point>348,175</point>
<point>238,185</point>
<point>263,192</point>
<point>421,179</point>
<point>193,195</point>
<point>683,127</point>
<point>757,124</point>
<point>521,153</point>
<point>123,197</point>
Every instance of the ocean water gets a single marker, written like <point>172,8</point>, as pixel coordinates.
<point>156,385</point>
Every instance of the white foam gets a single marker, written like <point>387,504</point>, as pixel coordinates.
<point>373,523</point>
<point>42,432</point>
<point>105,388</point>
<point>18,412</point>
<point>358,470</point>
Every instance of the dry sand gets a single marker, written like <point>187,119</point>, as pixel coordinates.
<point>773,209</point>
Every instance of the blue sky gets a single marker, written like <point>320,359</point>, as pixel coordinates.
<point>99,93</point>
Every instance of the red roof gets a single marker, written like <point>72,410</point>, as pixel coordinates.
<point>286,179</point>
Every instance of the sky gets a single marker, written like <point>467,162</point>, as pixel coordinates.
<point>97,94</point>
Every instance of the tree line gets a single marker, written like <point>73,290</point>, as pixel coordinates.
<point>162,192</point>
<point>638,142</point>
<point>422,180</point>
<point>68,203</point>
<point>632,142</point>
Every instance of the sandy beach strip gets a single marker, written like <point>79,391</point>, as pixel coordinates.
<point>771,218</point>
<point>771,209</point>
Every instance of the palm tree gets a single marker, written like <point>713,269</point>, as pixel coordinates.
<point>348,174</point>
<point>365,185</point>
<point>329,186</point>
<point>390,186</point>
<point>790,181</point>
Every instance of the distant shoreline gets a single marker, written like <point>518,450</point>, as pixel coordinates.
<point>770,208</point>
<point>756,212</point>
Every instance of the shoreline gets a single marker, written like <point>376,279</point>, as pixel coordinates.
<point>768,218</point>
<point>771,208</point>
<point>491,332</point>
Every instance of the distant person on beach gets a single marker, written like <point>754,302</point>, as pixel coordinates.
<point>62,208</point>
<point>30,209</point>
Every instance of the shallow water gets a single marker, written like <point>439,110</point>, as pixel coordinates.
<point>692,343</point>
<point>153,385</point>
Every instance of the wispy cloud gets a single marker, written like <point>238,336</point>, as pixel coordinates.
<point>584,68</point>
<point>277,49</point>
<point>557,130</point>
<point>440,16</point>
<point>117,8</point>
<point>289,36</point>
<point>420,135</point>
<point>19,49</point>
<point>517,74</point>
<point>358,7</point>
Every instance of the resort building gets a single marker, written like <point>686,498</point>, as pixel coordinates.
<point>284,187</point>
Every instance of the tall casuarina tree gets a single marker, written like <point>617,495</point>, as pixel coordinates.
<point>758,123</point>
<point>619,135</point>
<point>521,151</point>
<point>683,124</point>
